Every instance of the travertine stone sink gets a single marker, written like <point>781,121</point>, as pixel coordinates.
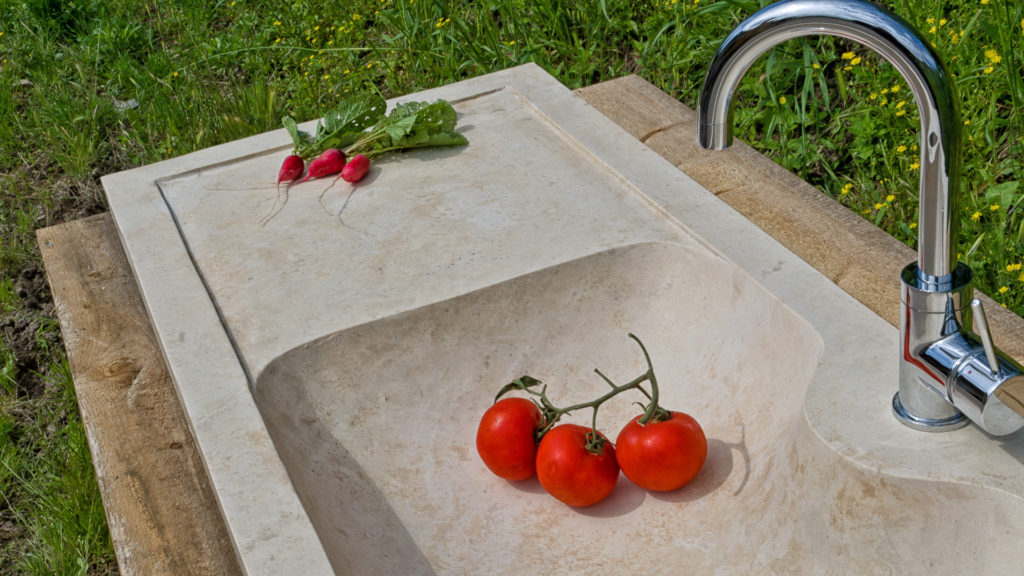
<point>334,370</point>
<point>376,424</point>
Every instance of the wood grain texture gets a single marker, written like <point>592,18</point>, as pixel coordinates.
<point>162,514</point>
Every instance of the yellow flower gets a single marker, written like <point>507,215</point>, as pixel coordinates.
<point>873,96</point>
<point>983,2</point>
<point>356,17</point>
<point>890,197</point>
<point>901,104</point>
<point>1021,278</point>
<point>967,122</point>
<point>994,207</point>
<point>913,225</point>
<point>989,70</point>
<point>895,89</point>
<point>932,30</point>
<point>846,189</point>
<point>930,20</point>
<point>815,66</point>
<point>942,22</point>
<point>901,113</point>
<point>915,165</point>
<point>782,99</point>
<point>855,61</point>
<point>879,206</point>
<point>847,68</point>
<point>976,216</point>
<point>993,56</point>
<point>1013,267</point>
<point>175,74</point>
<point>1003,289</point>
<point>848,56</point>
<point>885,90</point>
<point>901,149</point>
<point>277,22</point>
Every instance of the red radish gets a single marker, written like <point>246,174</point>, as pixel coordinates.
<point>291,170</point>
<point>353,172</point>
<point>330,162</point>
<point>356,168</point>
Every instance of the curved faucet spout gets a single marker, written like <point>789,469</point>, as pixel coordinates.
<point>943,380</point>
<point>900,44</point>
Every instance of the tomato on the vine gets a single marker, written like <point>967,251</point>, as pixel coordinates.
<point>570,472</point>
<point>507,438</point>
<point>662,455</point>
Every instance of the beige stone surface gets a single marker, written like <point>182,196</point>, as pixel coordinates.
<point>337,463</point>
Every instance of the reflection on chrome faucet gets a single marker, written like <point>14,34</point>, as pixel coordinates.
<point>947,372</point>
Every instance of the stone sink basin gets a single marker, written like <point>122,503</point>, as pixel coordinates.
<point>334,368</point>
<point>376,424</point>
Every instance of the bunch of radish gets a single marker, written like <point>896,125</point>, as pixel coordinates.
<point>348,137</point>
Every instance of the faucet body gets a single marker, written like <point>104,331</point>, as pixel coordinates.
<point>947,372</point>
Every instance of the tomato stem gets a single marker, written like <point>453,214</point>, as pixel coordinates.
<point>653,410</point>
<point>552,413</point>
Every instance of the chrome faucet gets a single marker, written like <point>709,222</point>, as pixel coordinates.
<point>947,372</point>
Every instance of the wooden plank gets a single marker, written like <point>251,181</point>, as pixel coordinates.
<point>162,514</point>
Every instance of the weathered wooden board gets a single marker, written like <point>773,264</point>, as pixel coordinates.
<point>162,515</point>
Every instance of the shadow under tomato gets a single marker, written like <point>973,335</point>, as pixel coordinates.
<point>531,485</point>
<point>624,499</point>
<point>717,468</point>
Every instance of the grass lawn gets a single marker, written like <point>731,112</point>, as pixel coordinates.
<point>91,87</point>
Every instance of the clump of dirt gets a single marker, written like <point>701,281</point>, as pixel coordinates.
<point>23,332</point>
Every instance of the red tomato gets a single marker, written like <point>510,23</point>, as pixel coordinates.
<point>572,474</point>
<point>506,439</point>
<point>664,455</point>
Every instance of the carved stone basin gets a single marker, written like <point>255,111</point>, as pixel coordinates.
<point>376,424</point>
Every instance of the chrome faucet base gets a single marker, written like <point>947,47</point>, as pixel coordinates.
<point>957,420</point>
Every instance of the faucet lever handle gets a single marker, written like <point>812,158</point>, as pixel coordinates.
<point>986,336</point>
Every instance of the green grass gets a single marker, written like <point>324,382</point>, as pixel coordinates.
<point>203,73</point>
